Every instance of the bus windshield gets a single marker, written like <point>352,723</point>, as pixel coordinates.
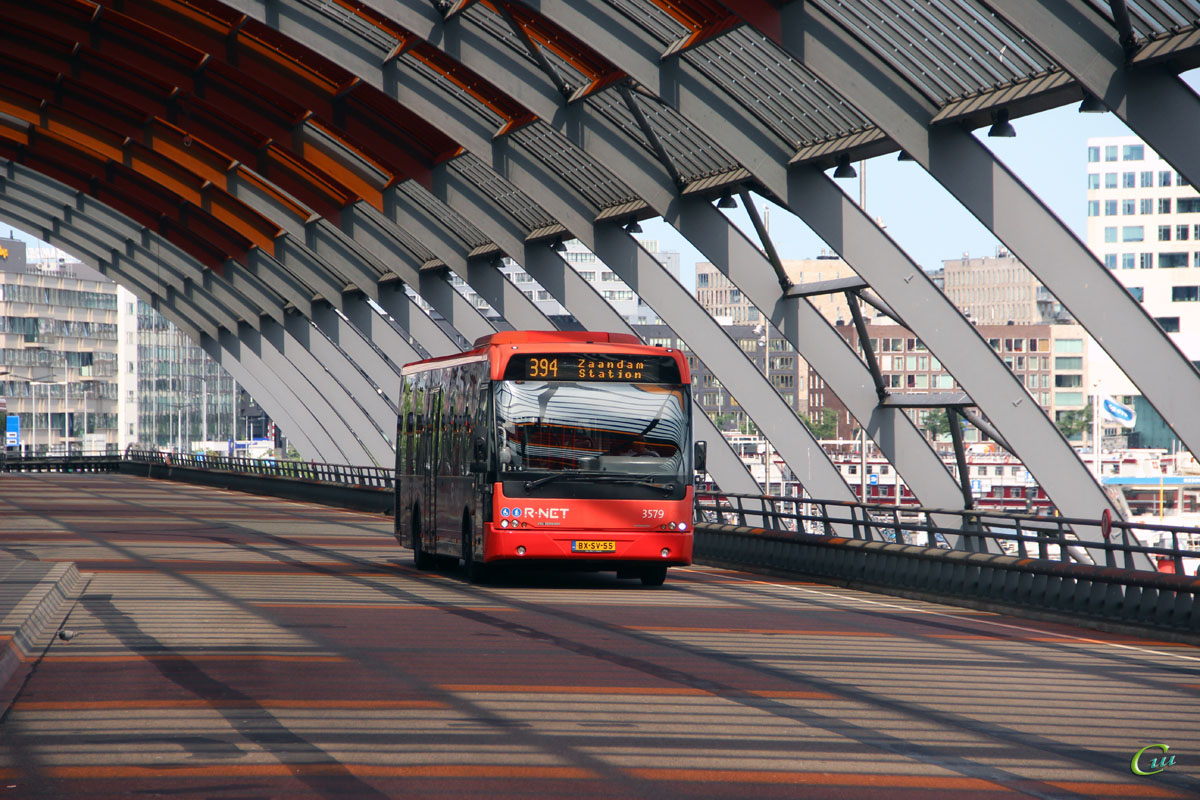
<point>609,427</point>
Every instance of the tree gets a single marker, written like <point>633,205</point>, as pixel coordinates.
<point>1074,423</point>
<point>824,428</point>
<point>937,424</point>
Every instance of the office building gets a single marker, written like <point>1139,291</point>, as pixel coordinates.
<point>999,290</point>
<point>59,362</point>
<point>1050,361</point>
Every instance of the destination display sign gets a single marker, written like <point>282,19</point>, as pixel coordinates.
<point>592,367</point>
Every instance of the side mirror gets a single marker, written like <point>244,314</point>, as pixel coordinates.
<point>700,456</point>
<point>479,462</point>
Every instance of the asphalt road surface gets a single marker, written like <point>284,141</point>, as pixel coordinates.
<point>231,646</point>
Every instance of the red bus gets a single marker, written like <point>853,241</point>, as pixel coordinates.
<point>548,447</point>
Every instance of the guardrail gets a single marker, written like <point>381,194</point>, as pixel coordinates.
<point>1108,598</point>
<point>72,463</point>
<point>361,488</point>
<point>1022,535</point>
<point>362,477</point>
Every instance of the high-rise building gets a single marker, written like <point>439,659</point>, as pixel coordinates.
<point>1143,222</point>
<point>183,396</point>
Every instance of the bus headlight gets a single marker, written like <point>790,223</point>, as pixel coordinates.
<point>503,523</point>
<point>683,526</point>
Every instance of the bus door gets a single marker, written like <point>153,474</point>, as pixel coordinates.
<point>433,468</point>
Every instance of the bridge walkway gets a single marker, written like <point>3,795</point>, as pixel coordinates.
<point>227,645</point>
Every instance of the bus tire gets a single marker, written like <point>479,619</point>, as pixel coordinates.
<point>475,571</point>
<point>422,560</point>
<point>654,575</point>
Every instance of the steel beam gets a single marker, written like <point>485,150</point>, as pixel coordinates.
<point>1086,45</point>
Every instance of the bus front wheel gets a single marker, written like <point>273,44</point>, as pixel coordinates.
<point>654,575</point>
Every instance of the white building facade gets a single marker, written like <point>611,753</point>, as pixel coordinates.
<point>1143,222</point>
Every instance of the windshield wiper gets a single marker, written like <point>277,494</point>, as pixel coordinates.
<point>601,477</point>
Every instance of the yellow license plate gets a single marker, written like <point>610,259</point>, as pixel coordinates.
<point>588,546</point>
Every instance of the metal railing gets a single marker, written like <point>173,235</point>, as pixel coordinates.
<point>19,462</point>
<point>358,477</point>
<point>1023,535</point>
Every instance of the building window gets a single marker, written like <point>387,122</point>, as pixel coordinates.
<point>1168,324</point>
<point>1164,205</point>
<point>1137,292</point>
<point>1068,398</point>
<point>1093,208</point>
<point>1146,261</point>
<point>1172,260</point>
<point>1068,381</point>
<point>1110,260</point>
<point>1127,260</point>
<point>1187,205</point>
<point>1146,205</point>
<point>1093,155</point>
<point>1093,180</point>
<point>1164,178</point>
<point>1180,180</point>
<point>1068,362</point>
<point>1129,180</point>
<point>1068,346</point>
<point>1147,179</point>
<point>1133,152</point>
<point>1181,233</point>
<point>1110,208</point>
<point>1110,152</point>
<point>1185,294</point>
<point>1110,180</point>
<point>1128,207</point>
<point>1164,233</point>
<point>1136,233</point>
<point>1110,234</point>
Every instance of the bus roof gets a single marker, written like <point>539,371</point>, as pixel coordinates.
<point>556,337</point>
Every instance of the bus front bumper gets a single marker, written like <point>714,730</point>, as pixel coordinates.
<point>618,546</point>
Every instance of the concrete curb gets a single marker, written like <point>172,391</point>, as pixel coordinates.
<point>35,597</point>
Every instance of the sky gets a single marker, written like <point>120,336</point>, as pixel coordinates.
<point>1048,154</point>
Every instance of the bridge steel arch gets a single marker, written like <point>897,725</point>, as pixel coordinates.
<point>328,215</point>
<point>867,410</point>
